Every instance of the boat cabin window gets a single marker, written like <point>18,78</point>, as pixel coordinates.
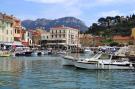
<point>105,56</point>
<point>96,56</point>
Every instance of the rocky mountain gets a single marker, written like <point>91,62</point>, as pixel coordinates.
<point>47,24</point>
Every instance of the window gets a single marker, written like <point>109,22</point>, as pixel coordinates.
<point>63,31</point>
<point>105,56</point>
<point>7,31</point>
<point>11,39</point>
<point>52,36</point>
<point>47,37</point>
<point>64,35</point>
<point>15,31</point>
<point>18,31</point>
<point>11,32</point>
<point>60,36</point>
<point>11,24</point>
<point>23,37</point>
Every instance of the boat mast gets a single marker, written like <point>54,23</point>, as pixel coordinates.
<point>77,43</point>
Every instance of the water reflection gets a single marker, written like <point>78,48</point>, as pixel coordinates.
<point>107,79</point>
<point>11,65</point>
<point>47,73</point>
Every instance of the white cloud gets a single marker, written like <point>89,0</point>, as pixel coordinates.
<point>83,8</point>
<point>88,1</point>
<point>49,1</point>
<point>105,1</point>
<point>61,8</point>
<point>56,12</point>
<point>113,1</point>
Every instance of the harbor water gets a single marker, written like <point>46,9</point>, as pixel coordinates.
<point>48,73</point>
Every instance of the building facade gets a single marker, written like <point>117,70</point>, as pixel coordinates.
<point>133,33</point>
<point>17,30</point>
<point>36,36</point>
<point>6,28</point>
<point>26,37</point>
<point>61,37</point>
<point>6,31</point>
<point>45,36</point>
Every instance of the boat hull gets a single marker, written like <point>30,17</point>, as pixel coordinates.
<point>39,53</point>
<point>23,54</point>
<point>68,61</point>
<point>5,55</point>
<point>100,66</point>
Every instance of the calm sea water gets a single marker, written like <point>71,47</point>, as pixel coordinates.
<point>48,73</point>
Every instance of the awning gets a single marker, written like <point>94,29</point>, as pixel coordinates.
<point>13,43</point>
<point>25,43</point>
<point>8,43</point>
<point>17,43</point>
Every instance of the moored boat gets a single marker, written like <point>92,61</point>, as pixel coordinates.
<point>88,50</point>
<point>68,61</point>
<point>22,51</point>
<point>40,52</point>
<point>103,61</point>
<point>5,54</point>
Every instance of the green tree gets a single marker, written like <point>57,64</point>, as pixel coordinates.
<point>130,43</point>
<point>114,44</point>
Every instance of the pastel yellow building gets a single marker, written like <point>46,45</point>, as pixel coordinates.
<point>133,33</point>
<point>6,29</point>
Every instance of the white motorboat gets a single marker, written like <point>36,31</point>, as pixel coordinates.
<point>103,61</point>
<point>121,52</point>
<point>40,53</point>
<point>44,52</point>
<point>37,53</point>
<point>68,60</point>
<point>61,52</point>
<point>22,51</point>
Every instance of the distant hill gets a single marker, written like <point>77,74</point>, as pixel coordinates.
<point>47,24</point>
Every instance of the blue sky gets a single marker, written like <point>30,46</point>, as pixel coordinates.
<point>87,10</point>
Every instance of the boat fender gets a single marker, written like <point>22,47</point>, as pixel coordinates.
<point>131,65</point>
<point>102,65</point>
